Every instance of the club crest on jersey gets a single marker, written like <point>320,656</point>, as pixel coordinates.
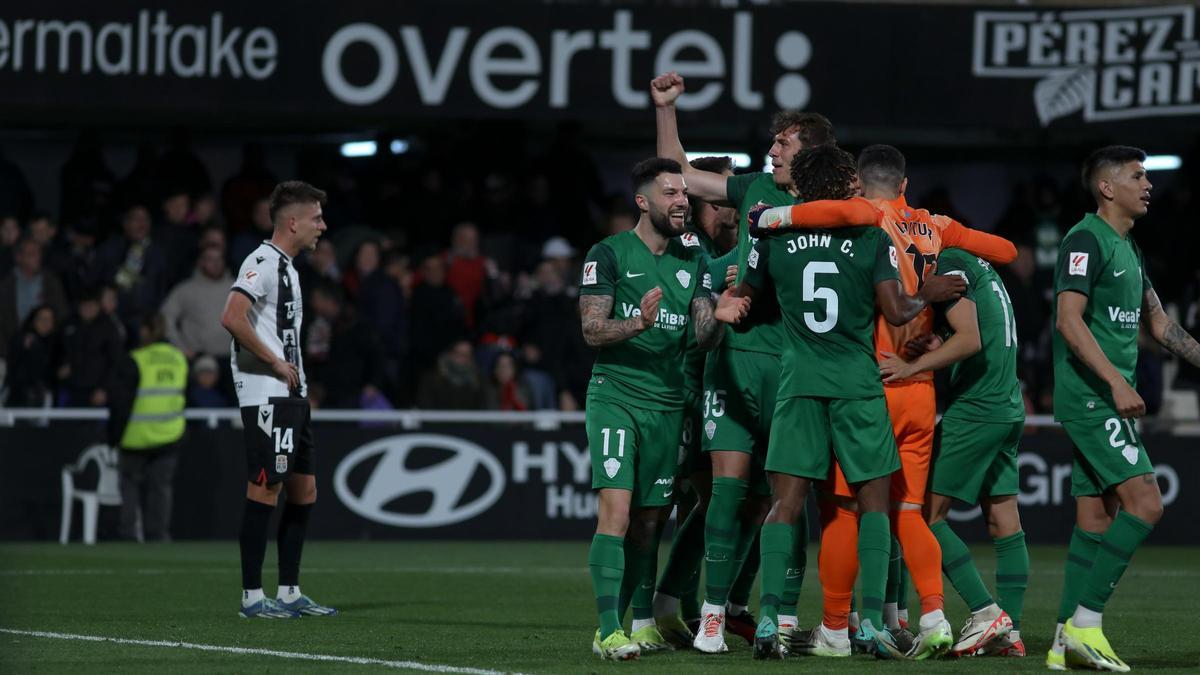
<point>689,239</point>
<point>589,274</point>
<point>281,463</point>
<point>710,429</point>
<point>611,466</point>
<point>684,277</point>
<point>1078,264</point>
<point>266,416</point>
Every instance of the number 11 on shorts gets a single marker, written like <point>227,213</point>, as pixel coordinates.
<point>606,432</point>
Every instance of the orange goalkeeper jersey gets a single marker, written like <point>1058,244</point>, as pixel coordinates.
<point>918,236</point>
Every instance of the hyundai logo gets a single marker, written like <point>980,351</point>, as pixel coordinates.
<point>446,480</point>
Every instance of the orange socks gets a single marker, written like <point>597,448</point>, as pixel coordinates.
<point>922,555</point>
<point>838,562</point>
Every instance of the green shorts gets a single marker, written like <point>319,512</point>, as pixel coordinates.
<point>808,432</point>
<point>633,449</point>
<point>1108,452</point>
<point>739,400</point>
<point>974,459</point>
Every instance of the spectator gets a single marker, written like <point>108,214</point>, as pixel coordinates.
<point>341,351</point>
<point>43,230</point>
<point>178,237</point>
<point>10,234</point>
<point>74,259</point>
<point>507,389</point>
<point>436,311</point>
<point>205,391</point>
<point>241,193</point>
<point>15,196</point>
<point>320,265</point>
<point>33,356</point>
<point>92,349</point>
<point>367,257</point>
<point>25,288</point>
<point>204,211</point>
<point>467,271</point>
<point>110,305</point>
<point>192,310</point>
<point>551,337</point>
<point>558,252</point>
<point>261,228</point>
<point>136,265</point>
<point>87,182</point>
<point>382,305</point>
<point>455,383</point>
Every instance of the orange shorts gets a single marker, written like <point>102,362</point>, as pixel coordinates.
<point>913,409</point>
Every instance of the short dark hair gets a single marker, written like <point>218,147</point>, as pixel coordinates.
<point>647,170</point>
<point>293,192</point>
<point>881,165</point>
<point>1106,159</point>
<point>812,128</point>
<point>712,164</point>
<point>823,172</point>
<point>155,326</point>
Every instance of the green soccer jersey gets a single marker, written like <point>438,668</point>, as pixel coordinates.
<point>825,281</point>
<point>1096,261</point>
<point>984,386</point>
<point>761,330</point>
<point>646,370</point>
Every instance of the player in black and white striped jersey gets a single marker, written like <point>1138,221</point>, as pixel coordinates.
<point>264,313</point>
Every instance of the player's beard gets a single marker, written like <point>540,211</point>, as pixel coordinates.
<point>661,222</point>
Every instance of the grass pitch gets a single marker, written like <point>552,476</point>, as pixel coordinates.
<point>523,607</point>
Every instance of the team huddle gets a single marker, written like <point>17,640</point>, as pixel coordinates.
<point>767,335</point>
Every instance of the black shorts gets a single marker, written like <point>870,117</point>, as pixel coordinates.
<point>278,440</point>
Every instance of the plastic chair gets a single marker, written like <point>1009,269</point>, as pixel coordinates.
<point>107,492</point>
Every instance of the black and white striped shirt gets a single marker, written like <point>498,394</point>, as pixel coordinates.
<point>268,277</point>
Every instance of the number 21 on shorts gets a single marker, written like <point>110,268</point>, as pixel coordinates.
<point>1129,448</point>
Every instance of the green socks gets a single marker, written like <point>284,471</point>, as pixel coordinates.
<point>681,576</point>
<point>795,577</point>
<point>895,573</point>
<point>1112,557</point>
<point>1012,574</point>
<point>958,566</point>
<point>739,593</point>
<point>874,551</point>
<point>640,568</point>
<point>606,561</point>
<point>722,527</point>
<point>776,547</point>
<point>1080,555</point>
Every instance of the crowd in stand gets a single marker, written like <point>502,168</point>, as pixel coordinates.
<point>433,289</point>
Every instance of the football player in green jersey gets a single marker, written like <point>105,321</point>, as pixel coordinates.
<point>716,228</point>
<point>639,292</point>
<point>1103,296</point>
<point>742,377</point>
<point>830,400</point>
<point>975,456</point>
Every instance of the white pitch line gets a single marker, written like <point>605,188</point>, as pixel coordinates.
<point>358,660</point>
<point>408,569</point>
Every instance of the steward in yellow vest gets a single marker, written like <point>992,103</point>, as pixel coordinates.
<point>149,443</point>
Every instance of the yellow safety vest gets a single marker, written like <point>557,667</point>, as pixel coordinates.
<point>157,417</point>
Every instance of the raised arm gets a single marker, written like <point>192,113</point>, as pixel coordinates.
<point>965,342</point>
<point>1166,331</point>
<point>996,250</point>
<point>706,185</point>
<point>1081,342</point>
<point>825,213</point>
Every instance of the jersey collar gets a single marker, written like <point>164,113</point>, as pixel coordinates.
<point>278,250</point>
